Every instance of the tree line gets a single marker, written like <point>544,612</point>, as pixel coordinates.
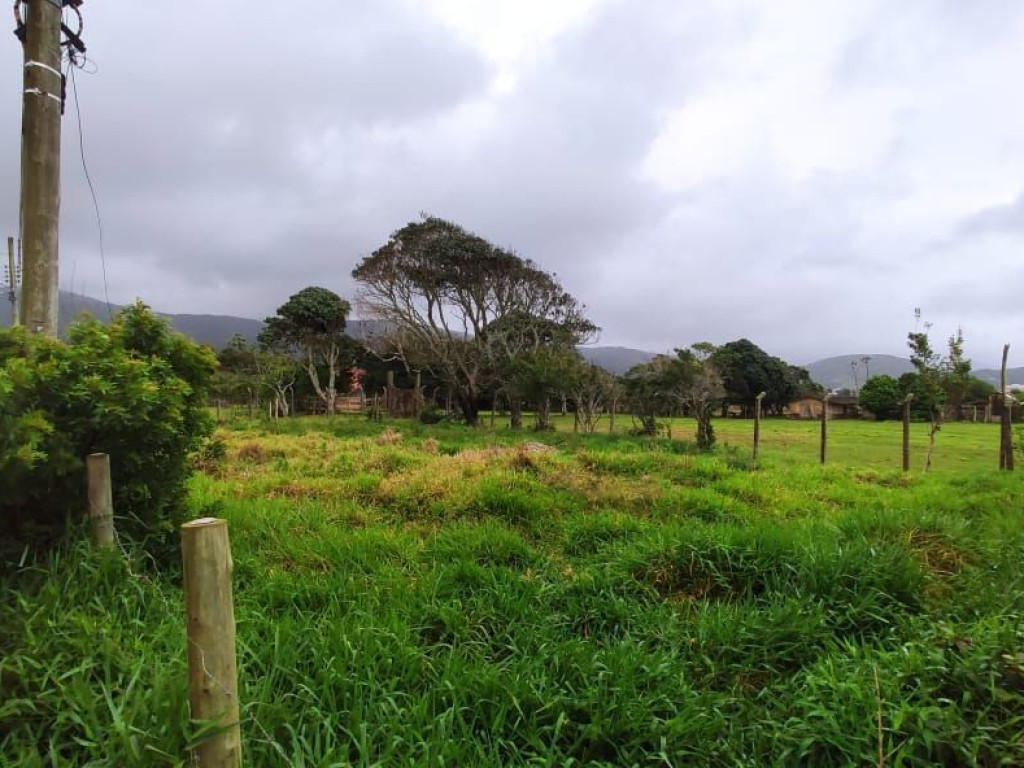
<point>486,327</point>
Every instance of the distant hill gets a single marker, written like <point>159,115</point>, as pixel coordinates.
<point>836,372</point>
<point>214,330</point>
<point>618,360</point>
<point>991,375</point>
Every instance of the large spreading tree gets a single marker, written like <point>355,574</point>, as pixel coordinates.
<point>465,309</point>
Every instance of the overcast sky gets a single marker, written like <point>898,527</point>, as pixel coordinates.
<point>801,173</point>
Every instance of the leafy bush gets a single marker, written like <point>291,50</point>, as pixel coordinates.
<point>881,395</point>
<point>432,415</point>
<point>133,389</point>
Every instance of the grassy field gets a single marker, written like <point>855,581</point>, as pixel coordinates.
<point>433,595</point>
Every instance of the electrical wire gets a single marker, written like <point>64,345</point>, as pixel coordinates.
<point>92,190</point>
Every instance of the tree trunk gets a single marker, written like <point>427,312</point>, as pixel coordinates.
<point>470,412</point>
<point>936,422</point>
<point>543,422</point>
<point>515,409</point>
<point>705,432</point>
<point>906,432</point>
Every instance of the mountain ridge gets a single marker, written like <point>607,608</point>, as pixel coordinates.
<point>216,330</point>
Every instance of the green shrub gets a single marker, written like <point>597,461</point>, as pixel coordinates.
<point>432,415</point>
<point>133,389</point>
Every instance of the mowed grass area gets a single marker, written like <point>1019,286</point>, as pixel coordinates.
<point>959,446</point>
<point>434,595</point>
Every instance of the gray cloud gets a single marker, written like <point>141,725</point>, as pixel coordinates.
<point>1005,219</point>
<point>800,175</point>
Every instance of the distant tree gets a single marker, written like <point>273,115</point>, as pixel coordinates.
<point>647,395</point>
<point>936,377</point>
<point>957,374</point>
<point>276,374</point>
<point>687,381</point>
<point>801,383</point>
<point>748,370</point>
<point>539,375</point>
<point>704,392</point>
<point>312,322</point>
<point>593,390</point>
<point>882,396</point>
<point>235,377</point>
<point>442,291</point>
<point>248,371</point>
<point>533,358</point>
<point>978,390</point>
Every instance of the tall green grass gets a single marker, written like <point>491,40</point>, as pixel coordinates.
<point>615,601</point>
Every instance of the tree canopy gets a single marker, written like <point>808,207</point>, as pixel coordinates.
<point>312,322</point>
<point>455,304</point>
<point>686,381</point>
<point>881,395</point>
<point>747,370</point>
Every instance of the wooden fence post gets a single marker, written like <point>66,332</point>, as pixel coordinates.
<point>757,424</point>
<point>101,503</point>
<point>824,426</point>
<point>210,620</point>
<point>1005,420</point>
<point>906,431</point>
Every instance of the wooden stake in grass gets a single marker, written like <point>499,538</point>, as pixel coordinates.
<point>101,504</point>
<point>824,426</point>
<point>906,431</point>
<point>757,424</point>
<point>210,617</point>
<point>1005,421</point>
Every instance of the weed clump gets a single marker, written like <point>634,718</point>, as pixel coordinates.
<point>389,437</point>
<point>253,452</point>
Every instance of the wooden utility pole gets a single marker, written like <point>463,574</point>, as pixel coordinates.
<point>906,431</point>
<point>12,281</point>
<point>1005,422</point>
<point>824,426</point>
<point>101,504</point>
<point>42,103</point>
<point>757,424</point>
<point>210,617</point>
